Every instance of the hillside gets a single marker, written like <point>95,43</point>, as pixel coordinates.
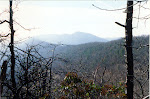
<point>85,60</point>
<point>109,54</point>
<point>106,54</point>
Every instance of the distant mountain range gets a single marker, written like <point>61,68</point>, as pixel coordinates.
<point>107,54</point>
<point>70,39</point>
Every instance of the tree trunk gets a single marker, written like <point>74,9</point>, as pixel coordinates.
<point>129,59</point>
<point>3,76</point>
<point>12,47</point>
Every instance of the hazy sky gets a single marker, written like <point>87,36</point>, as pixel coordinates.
<point>67,17</point>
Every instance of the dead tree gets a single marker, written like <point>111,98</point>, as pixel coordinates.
<point>129,59</point>
<point>3,76</point>
<point>12,47</point>
<point>128,47</point>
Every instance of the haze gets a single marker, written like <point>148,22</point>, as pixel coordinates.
<point>68,17</point>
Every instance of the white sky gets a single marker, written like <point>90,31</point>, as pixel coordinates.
<point>59,17</point>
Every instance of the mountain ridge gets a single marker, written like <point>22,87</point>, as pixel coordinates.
<point>71,39</point>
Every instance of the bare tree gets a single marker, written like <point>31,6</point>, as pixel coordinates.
<point>129,59</point>
<point>12,49</point>
<point>3,76</point>
<point>11,46</point>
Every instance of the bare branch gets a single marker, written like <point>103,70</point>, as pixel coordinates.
<point>5,11</point>
<point>146,97</point>
<point>141,87</point>
<point>26,52</point>
<point>23,26</point>
<point>113,9</point>
<point>5,35</point>
<point>139,14</point>
<point>145,8</point>
<point>1,22</point>
<point>120,24</point>
<point>137,48</point>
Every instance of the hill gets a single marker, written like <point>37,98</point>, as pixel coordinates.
<point>70,39</point>
<point>106,54</point>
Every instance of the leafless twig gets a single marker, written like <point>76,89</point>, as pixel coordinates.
<point>1,22</point>
<point>113,9</point>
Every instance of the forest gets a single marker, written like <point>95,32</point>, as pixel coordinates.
<point>102,69</point>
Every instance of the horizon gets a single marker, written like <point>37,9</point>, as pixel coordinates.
<point>60,36</point>
<point>67,17</point>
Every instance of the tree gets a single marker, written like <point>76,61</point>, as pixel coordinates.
<point>11,46</point>
<point>3,76</point>
<point>129,59</point>
<point>12,49</point>
<point>128,47</point>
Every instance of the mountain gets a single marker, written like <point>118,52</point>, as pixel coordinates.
<point>31,42</point>
<point>95,52</point>
<point>106,54</point>
<point>70,39</point>
<point>90,59</point>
